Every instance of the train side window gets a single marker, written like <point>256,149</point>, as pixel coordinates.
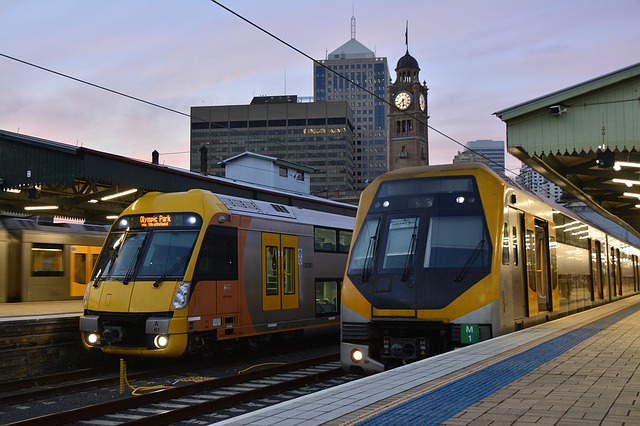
<point>271,261</point>
<point>218,257</point>
<point>344,240</point>
<point>327,297</point>
<point>80,270</point>
<point>325,239</point>
<point>46,260</point>
<point>505,244</point>
<point>289,260</point>
<point>332,240</point>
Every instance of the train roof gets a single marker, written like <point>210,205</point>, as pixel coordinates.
<point>26,224</point>
<point>298,214</point>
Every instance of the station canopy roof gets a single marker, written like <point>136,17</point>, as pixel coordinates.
<point>585,139</point>
<point>44,178</point>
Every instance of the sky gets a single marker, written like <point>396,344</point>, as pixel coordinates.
<point>477,57</point>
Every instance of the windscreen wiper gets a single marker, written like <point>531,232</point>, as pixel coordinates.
<point>171,270</point>
<point>131,272</point>
<point>474,255</point>
<point>409,260</point>
<point>371,252</point>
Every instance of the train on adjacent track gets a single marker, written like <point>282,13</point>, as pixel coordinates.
<point>197,272</point>
<point>44,261</point>
<point>445,256</point>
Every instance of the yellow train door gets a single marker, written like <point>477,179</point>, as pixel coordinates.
<point>81,266</point>
<point>279,272</point>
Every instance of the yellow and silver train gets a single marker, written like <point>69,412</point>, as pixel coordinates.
<point>445,256</point>
<point>43,261</point>
<point>196,272</point>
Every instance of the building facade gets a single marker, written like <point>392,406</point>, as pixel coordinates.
<point>492,151</point>
<point>352,73</point>
<point>315,135</point>
<point>269,172</point>
<point>533,180</point>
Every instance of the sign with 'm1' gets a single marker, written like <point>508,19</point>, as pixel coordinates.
<point>469,333</point>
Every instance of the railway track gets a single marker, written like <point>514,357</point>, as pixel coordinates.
<point>206,397</point>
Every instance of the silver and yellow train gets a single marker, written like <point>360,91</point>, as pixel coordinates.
<point>44,261</point>
<point>445,256</point>
<point>197,272</point>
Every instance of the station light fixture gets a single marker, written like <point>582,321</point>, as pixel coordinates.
<point>620,164</point>
<point>605,159</point>
<point>32,208</point>
<point>631,194</point>
<point>119,194</point>
<point>627,182</point>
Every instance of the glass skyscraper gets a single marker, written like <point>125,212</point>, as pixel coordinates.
<point>366,78</point>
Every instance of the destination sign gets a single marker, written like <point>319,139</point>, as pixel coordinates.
<point>155,220</point>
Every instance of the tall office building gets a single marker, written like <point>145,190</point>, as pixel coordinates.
<point>492,151</point>
<point>533,180</point>
<point>312,134</point>
<point>364,88</point>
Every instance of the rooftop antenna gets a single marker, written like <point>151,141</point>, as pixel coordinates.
<point>353,23</point>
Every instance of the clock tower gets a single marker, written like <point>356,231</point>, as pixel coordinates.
<point>408,142</point>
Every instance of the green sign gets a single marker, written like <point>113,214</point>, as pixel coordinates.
<point>469,333</point>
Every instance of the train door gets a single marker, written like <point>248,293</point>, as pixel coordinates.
<point>634,262</point>
<point>597,270</point>
<point>81,266</point>
<point>542,284</point>
<point>279,272</point>
<point>516,275</point>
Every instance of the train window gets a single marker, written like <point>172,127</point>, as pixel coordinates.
<point>401,242</point>
<point>289,259</point>
<point>332,240</point>
<point>456,242</point>
<point>80,270</point>
<point>167,253</point>
<point>327,297</point>
<point>271,260</point>
<point>344,240</point>
<point>324,239</point>
<point>364,248</point>
<point>218,256</point>
<point>505,244</point>
<point>46,260</point>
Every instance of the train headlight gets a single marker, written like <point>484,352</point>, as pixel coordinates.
<point>181,299</point>
<point>161,341</point>
<point>356,355</point>
<point>93,338</point>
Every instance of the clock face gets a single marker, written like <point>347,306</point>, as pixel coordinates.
<point>403,100</point>
<point>423,102</point>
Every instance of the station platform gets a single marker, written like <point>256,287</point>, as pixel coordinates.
<point>29,311</point>
<point>579,370</point>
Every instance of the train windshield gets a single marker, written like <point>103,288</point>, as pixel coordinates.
<point>147,252</point>
<point>422,226</point>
